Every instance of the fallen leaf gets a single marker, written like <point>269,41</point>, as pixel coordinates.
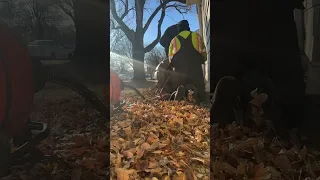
<point>78,151</point>
<point>145,146</point>
<point>282,162</point>
<point>275,174</point>
<point>118,161</point>
<point>181,176</point>
<point>241,168</point>
<point>76,173</point>
<point>90,164</point>
<point>124,174</point>
<point>128,131</point>
<point>259,171</point>
<point>103,158</point>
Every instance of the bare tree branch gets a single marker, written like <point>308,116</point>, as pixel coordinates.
<point>155,12</point>
<point>113,26</point>
<point>68,10</point>
<point>122,25</point>
<point>155,42</point>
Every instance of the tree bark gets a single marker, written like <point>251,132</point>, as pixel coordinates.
<point>92,31</point>
<point>138,62</point>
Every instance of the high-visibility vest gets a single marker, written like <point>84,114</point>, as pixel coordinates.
<point>197,43</point>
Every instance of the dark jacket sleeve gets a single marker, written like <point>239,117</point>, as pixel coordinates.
<point>168,35</point>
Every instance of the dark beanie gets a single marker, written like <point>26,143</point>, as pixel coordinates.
<point>183,25</point>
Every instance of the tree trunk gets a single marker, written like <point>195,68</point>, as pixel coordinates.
<point>138,62</point>
<point>40,31</point>
<point>92,31</point>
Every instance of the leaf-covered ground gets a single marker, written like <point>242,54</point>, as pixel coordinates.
<point>239,153</point>
<point>150,140</point>
<point>156,139</point>
<point>77,141</point>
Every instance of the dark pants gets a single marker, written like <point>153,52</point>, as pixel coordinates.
<point>184,75</point>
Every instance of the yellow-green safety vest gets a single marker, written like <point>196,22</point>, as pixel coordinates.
<point>197,43</point>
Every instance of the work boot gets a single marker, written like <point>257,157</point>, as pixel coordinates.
<point>180,93</point>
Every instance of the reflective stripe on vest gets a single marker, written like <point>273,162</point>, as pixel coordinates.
<point>175,43</point>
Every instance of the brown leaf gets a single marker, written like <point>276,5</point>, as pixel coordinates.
<point>229,169</point>
<point>76,173</point>
<point>140,152</point>
<point>181,176</point>
<point>90,164</point>
<point>102,143</point>
<point>124,174</point>
<point>203,161</point>
<point>241,168</point>
<point>153,165</point>
<point>258,99</point>
<point>249,143</point>
<point>118,161</point>
<point>145,146</point>
<point>259,171</point>
<point>141,165</point>
<point>179,121</point>
<point>128,131</point>
<point>282,162</point>
<point>154,145</point>
<point>78,151</point>
<point>275,174</point>
<point>103,158</point>
<point>81,141</point>
<point>222,176</point>
<point>190,174</point>
<point>174,163</point>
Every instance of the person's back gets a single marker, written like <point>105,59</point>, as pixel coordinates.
<point>186,55</point>
<point>171,32</point>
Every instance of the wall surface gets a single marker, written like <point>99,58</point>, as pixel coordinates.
<point>203,10</point>
<point>205,7</point>
<point>312,30</point>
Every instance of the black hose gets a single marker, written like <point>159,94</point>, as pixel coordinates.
<point>83,91</point>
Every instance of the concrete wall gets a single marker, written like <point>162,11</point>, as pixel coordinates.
<point>312,30</point>
<point>203,10</point>
<point>206,34</point>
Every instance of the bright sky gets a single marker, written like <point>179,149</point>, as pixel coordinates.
<point>172,17</point>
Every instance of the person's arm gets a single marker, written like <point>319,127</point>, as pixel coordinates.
<point>164,40</point>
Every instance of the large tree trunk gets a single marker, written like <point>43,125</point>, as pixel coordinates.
<point>92,31</point>
<point>137,44</point>
<point>138,63</point>
<point>40,31</point>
